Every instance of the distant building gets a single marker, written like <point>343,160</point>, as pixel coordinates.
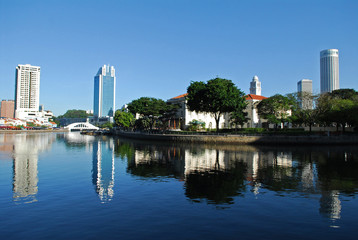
<point>255,86</point>
<point>7,108</point>
<point>329,64</point>
<point>104,92</point>
<point>27,91</point>
<point>304,88</point>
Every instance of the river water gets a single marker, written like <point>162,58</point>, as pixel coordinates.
<point>71,186</point>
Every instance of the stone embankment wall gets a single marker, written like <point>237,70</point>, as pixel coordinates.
<point>238,139</point>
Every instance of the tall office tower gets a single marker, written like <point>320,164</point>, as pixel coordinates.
<point>27,90</point>
<point>104,92</point>
<point>304,88</point>
<point>255,86</point>
<point>7,108</point>
<point>329,70</point>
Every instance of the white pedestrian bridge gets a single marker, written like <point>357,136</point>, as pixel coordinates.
<point>81,126</point>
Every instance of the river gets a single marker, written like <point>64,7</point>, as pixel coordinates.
<point>72,186</point>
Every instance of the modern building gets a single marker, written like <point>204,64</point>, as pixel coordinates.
<point>104,92</point>
<point>329,64</point>
<point>7,108</point>
<point>304,89</point>
<point>27,91</point>
<point>255,86</point>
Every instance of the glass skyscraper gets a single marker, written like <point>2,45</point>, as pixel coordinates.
<point>104,92</point>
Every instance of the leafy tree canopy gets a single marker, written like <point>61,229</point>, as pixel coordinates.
<point>152,109</point>
<point>217,96</point>
<point>276,109</point>
<point>339,107</point>
<point>124,119</point>
<point>74,113</point>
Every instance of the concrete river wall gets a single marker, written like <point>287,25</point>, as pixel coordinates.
<point>243,139</point>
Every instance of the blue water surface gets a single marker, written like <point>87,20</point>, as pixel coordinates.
<point>72,186</point>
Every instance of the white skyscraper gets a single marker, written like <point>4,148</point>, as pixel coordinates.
<point>329,70</point>
<point>27,90</point>
<point>255,86</point>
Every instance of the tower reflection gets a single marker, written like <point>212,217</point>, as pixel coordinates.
<point>103,169</point>
<point>26,148</point>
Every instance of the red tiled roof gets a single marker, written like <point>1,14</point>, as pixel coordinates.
<point>254,97</point>
<point>180,96</point>
<point>248,97</point>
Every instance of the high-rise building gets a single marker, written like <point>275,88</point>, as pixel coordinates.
<point>27,90</point>
<point>329,63</point>
<point>304,89</point>
<point>7,108</point>
<point>304,85</point>
<point>255,86</point>
<point>104,92</point>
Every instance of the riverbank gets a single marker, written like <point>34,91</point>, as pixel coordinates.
<point>245,139</point>
<point>35,131</point>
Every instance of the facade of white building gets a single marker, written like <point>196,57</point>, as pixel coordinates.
<point>27,95</point>
<point>252,114</point>
<point>184,116</point>
<point>27,90</point>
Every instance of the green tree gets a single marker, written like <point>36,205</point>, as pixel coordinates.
<point>216,97</point>
<point>74,113</point>
<point>338,107</point>
<point>107,125</point>
<point>276,109</point>
<point>151,108</point>
<point>308,117</point>
<point>142,123</point>
<point>124,119</point>
<point>239,118</point>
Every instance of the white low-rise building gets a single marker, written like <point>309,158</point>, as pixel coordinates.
<point>184,116</point>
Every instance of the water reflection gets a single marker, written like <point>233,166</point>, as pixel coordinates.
<point>102,149</point>
<point>217,175</point>
<point>25,149</point>
<point>103,169</point>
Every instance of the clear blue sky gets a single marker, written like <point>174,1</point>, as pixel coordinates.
<point>159,46</point>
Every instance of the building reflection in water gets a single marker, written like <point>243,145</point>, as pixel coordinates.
<point>25,148</point>
<point>103,169</point>
<point>217,175</point>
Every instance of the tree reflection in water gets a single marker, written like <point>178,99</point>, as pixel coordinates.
<point>219,174</point>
